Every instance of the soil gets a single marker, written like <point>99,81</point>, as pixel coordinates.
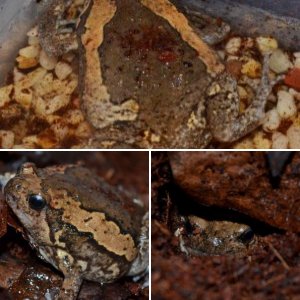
<point>271,267</point>
<point>22,273</point>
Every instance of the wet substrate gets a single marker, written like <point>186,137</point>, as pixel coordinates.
<point>270,270</point>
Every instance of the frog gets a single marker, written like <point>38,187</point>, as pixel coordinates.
<point>214,237</point>
<point>81,225</point>
<point>149,78</point>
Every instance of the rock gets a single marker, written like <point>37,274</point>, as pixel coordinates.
<point>292,79</point>
<point>233,45</point>
<point>279,141</point>
<point>271,121</point>
<point>47,62</point>
<point>286,106</point>
<point>293,135</point>
<point>279,62</point>
<point>266,44</point>
<point>240,181</point>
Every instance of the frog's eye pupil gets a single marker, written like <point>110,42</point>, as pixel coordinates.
<point>36,201</point>
<point>246,236</point>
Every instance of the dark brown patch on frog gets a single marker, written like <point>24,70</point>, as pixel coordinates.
<point>155,74</point>
<point>97,195</point>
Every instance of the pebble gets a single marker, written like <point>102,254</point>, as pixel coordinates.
<point>292,79</point>
<point>279,62</point>
<point>30,51</point>
<point>266,44</point>
<point>252,68</point>
<point>293,135</point>
<point>7,139</point>
<point>5,94</point>
<point>233,45</point>
<point>47,62</point>
<point>286,106</point>
<point>62,70</point>
<point>279,141</point>
<point>271,121</point>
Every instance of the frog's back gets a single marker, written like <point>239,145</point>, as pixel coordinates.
<point>95,195</point>
<point>145,59</point>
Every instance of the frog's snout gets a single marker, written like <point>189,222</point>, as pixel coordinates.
<point>247,236</point>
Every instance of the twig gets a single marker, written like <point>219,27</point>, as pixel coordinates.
<point>277,254</point>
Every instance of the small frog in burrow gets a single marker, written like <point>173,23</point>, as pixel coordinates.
<point>214,237</point>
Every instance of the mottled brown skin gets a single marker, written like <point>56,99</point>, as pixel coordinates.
<point>87,229</point>
<point>145,72</point>
<point>216,238</point>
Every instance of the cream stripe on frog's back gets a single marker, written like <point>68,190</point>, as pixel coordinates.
<point>105,233</point>
<point>169,12</point>
<point>96,98</point>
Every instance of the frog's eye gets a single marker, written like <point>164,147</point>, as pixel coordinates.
<point>36,201</point>
<point>246,236</point>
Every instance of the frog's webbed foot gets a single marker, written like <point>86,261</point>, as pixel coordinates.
<point>225,122</point>
<point>70,288</point>
<point>212,31</point>
<point>57,35</point>
<point>141,262</point>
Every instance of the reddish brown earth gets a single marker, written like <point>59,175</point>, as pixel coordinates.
<point>269,270</point>
<point>241,181</point>
<point>22,274</point>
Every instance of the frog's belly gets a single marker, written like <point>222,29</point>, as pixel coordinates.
<point>144,58</point>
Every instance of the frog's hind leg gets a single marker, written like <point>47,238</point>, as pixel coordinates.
<point>57,35</point>
<point>70,288</point>
<point>212,31</point>
<point>225,121</point>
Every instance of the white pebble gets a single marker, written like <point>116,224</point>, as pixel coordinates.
<point>279,141</point>
<point>7,139</point>
<point>233,45</point>
<point>47,62</point>
<point>279,62</point>
<point>266,44</point>
<point>5,92</point>
<point>286,106</point>
<point>271,121</point>
<point>48,107</point>
<point>30,51</point>
<point>293,135</point>
<point>62,70</point>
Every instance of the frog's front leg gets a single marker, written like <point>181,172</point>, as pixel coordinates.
<point>141,262</point>
<point>225,121</point>
<point>70,287</point>
<point>55,33</point>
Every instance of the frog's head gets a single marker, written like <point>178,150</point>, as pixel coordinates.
<point>220,237</point>
<point>230,237</point>
<point>25,196</point>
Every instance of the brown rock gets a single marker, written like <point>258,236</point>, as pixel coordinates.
<point>240,181</point>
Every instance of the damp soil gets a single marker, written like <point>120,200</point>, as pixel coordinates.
<point>22,273</point>
<point>271,267</point>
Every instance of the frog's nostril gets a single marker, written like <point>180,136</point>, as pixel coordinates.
<point>246,236</point>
